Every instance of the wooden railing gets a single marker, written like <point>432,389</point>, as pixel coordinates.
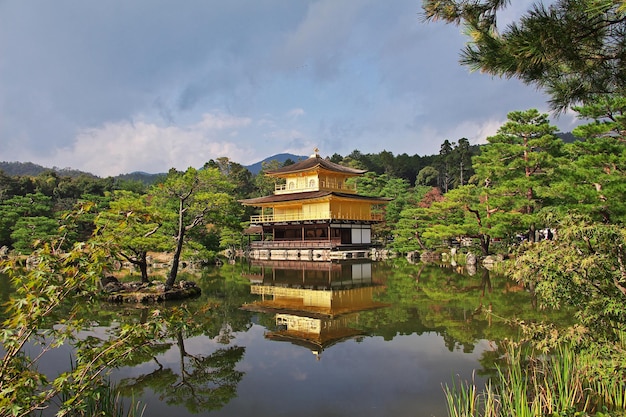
<point>271,218</point>
<point>296,244</point>
<point>323,185</point>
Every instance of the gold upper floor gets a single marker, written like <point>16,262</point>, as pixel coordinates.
<point>314,181</point>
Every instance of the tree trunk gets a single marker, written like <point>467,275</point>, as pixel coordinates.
<point>532,233</point>
<point>171,277</point>
<point>484,244</point>
<point>140,261</point>
<point>143,267</point>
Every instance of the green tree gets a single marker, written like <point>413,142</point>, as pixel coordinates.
<point>265,185</point>
<point>29,231</point>
<point>131,227</point>
<point>593,171</point>
<point>9,187</point>
<point>195,198</point>
<point>572,50</point>
<point>516,169</point>
<point>583,269</point>
<point>462,213</point>
<point>462,159</point>
<point>445,165</point>
<point>414,220</point>
<point>38,315</point>
<point>21,207</point>
<point>427,176</point>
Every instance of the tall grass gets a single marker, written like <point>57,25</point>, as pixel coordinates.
<point>531,385</point>
<point>107,401</point>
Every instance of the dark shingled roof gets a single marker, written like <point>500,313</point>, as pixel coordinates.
<point>309,195</point>
<point>312,162</point>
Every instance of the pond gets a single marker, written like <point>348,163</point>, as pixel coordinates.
<point>322,339</point>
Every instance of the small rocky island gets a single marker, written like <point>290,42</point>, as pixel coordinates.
<point>146,292</point>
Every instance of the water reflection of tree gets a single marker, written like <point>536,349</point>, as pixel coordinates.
<point>459,307</point>
<point>200,381</point>
<point>205,382</point>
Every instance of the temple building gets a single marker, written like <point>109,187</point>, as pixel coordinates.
<point>315,213</point>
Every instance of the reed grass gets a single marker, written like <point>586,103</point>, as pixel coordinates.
<point>531,385</point>
<point>108,402</point>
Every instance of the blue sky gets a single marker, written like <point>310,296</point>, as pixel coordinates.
<point>117,86</point>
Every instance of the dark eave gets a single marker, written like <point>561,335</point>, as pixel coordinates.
<point>309,195</point>
<point>313,162</point>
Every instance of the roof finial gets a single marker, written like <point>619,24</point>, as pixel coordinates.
<point>316,153</point>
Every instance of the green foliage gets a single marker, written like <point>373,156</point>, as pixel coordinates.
<point>592,177</point>
<point>194,198</point>
<point>28,231</point>
<point>530,384</point>
<point>263,184</point>
<point>39,320</point>
<point>584,267</point>
<point>414,221</point>
<point>516,169</point>
<point>427,176</point>
<point>573,50</point>
<point>131,227</point>
<point>22,207</point>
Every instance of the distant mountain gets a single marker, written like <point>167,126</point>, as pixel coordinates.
<point>568,137</point>
<point>143,177</point>
<point>281,157</point>
<point>30,169</point>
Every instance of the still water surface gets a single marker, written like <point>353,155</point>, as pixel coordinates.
<point>317,339</point>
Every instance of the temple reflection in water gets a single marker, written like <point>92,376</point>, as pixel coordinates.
<point>315,304</point>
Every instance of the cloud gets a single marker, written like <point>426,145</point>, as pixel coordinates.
<point>295,113</point>
<point>123,147</point>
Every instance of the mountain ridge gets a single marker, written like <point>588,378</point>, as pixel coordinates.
<point>31,169</point>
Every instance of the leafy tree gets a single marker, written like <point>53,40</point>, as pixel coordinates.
<point>195,198</point>
<point>593,171</point>
<point>28,231</point>
<point>427,176</point>
<point>265,185</point>
<point>462,159</point>
<point>584,269</point>
<point>462,213</point>
<point>21,207</point>
<point>131,227</point>
<point>9,186</point>
<point>386,162</point>
<point>444,165</point>
<point>336,158</point>
<point>383,185</point>
<point>46,182</point>
<point>407,167</point>
<point>413,220</point>
<point>572,50</point>
<point>516,167</point>
<point>38,315</point>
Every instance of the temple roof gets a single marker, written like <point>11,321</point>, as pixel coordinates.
<point>310,195</point>
<point>313,162</point>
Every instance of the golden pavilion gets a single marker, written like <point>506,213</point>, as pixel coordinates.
<point>315,213</point>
